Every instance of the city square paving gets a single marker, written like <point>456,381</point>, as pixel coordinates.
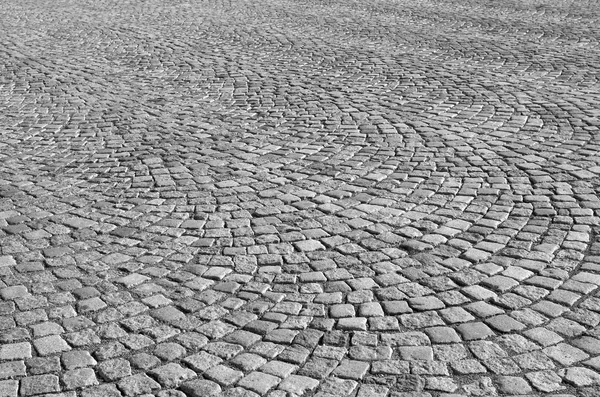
<point>284,198</point>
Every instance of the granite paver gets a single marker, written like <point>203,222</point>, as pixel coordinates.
<point>274,198</point>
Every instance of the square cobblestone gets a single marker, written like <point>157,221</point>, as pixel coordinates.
<point>39,384</point>
<point>259,382</point>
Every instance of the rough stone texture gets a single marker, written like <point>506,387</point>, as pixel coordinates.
<point>77,359</point>
<point>172,375</point>
<point>9,388</point>
<point>114,369</point>
<point>105,390</point>
<point>580,376</point>
<point>201,388</point>
<point>12,369</point>
<point>259,382</point>
<point>298,384</point>
<point>39,384</point>
<point>14,351</point>
<point>79,378</point>
<point>50,345</point>
<point>512,385</point>
<point>260,198</point>
<point>137,384</point>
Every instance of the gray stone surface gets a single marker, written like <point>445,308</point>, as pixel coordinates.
<point>271,198</point>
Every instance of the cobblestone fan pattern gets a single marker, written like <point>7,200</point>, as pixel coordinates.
<point>283,198</point>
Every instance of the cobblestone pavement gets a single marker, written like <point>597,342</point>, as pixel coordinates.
<point>277,198</point>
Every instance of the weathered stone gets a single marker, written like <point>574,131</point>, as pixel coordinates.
<point>137,384</point>
<point>172,375</point>
<point>40,384</point>
<point>201,388</point>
